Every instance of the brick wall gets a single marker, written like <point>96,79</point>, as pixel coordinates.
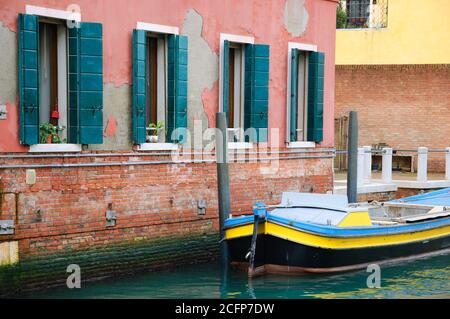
<point>405,106</point>
<point>61,218</point>
<point>378,197</point>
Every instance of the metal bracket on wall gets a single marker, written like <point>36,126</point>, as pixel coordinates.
<point>110,218</point>
<point>201,204</point>
<point>7,227</point>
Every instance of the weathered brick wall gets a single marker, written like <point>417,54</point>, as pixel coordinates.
<point>405,106</point>
<point>406,192</point>
<point>62,216</point>
<point>378,197</point>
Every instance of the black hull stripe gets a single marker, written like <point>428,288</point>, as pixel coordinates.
<point>272,250</point>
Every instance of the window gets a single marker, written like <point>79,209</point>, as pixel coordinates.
<point>301,118</point>
<point>365,13</point>
<point>236,92</point>
<point>305,95</point>
<point>159,86</point>
<point>244,91</point>
<point>358,12</point>
<point>156,83</point>
<point>53,75</point>
<point>60,77</point>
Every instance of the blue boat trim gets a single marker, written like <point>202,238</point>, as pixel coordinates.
<point>438,198</point>
<point>238,221</point>
<point>333,231</point>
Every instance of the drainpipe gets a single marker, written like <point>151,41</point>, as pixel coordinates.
<point>352,172</point>
<point>223,183</point>
<point>447,163</point>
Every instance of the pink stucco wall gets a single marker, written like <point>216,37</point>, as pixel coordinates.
<point>262,19</point>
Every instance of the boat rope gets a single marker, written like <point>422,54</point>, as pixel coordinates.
<point>252,251</point>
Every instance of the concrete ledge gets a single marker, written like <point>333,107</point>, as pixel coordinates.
<point>54,148</point>
<point>158,147</point>
<point>375,187</point>
<point>239,145</point>
<point>301,145</point>
<point>422,185</point>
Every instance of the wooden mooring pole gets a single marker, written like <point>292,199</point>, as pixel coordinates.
<point>352,171</point>
<point>223,183</point>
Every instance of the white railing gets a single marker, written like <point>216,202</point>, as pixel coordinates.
<point>365,164</point>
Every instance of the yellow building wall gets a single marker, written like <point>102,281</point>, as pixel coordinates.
<point>418,32</point>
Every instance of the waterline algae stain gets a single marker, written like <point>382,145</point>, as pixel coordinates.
<point>415,279</point>
<point>129,256</point>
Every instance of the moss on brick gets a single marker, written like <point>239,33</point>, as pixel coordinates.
<point>126,257</point>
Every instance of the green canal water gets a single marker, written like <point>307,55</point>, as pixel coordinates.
<point>420,278</point>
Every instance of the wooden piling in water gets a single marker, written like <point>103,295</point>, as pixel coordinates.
<point>352,171</point>
<point>223,182</point>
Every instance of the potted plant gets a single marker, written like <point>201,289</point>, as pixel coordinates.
<point>49,133</point>
<point>154,130</point>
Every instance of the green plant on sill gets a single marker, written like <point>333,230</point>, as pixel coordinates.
<point>155,128</point>
<point>46,129</point>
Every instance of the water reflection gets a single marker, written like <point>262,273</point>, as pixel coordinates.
<point>418,278</point>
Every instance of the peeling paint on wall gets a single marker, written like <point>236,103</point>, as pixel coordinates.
<point>273,22</point>
<point>111,127</point>
<point>210,103</point>
<point>295,17</point>
<point>116,118</point>
<point>203,68</point>
<point>9,131</point>
<point>9,253</point>
<point>8,65</point>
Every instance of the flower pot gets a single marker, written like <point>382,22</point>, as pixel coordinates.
<point>49,138</point>
<point>154,135</point>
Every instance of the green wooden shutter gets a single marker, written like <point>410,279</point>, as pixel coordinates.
<point>294,96</point>
<point>28,78</point>
<point>74,57</point>
<point>315,96</point>
<point>139,86</point>
<point>226,78</point>
<point>90,86</point>
<point>256,97</point>
<point>177,87</point>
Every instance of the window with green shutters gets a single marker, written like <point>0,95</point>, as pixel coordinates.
<point>90,83</point>
<point>139,86</point>
<point>257,91</point>
<point>160,64</point>
<point>75,96</point>
<point>315,96</point>
<point>245,91</point>
<point>177,88</point>
<point>306,96</point>
<point>28,78</point>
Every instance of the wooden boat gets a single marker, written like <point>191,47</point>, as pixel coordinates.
<point>323,233</point>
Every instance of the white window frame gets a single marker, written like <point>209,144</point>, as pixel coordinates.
<point>235,39</point>
<point>303,47</point>
<point>61,15</point>
<point>167,30</point>
<point>53,13</point>
<point>157,147</point>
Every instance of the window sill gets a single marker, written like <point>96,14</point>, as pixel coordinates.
<point>239,145</point>
<point>54,148</point>
<point>158,147</point>
<point>301,145</point>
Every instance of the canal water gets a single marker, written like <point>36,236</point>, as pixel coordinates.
<point>420,278</point>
